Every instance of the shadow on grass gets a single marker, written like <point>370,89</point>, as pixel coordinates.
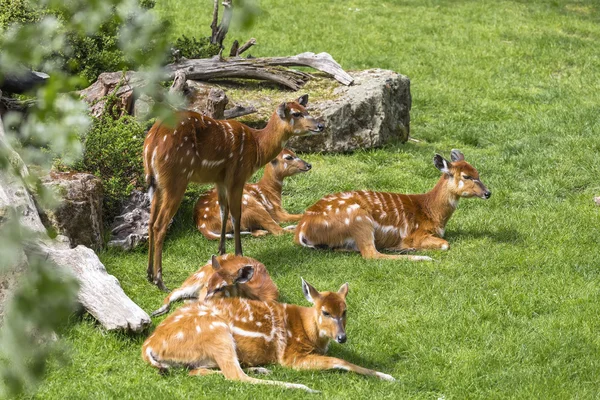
<point>502,235</point>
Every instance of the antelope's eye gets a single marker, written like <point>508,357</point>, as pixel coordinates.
<point>289,158</point>
<point>344,314</point>
<point>296,114</point>
<point>467,177</point>
<point>325,313</point>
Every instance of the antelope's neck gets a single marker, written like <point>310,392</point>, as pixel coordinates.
<point>440,203</point>
<point>271,184</point>
<point>272,138</point>
<point>305,322</point>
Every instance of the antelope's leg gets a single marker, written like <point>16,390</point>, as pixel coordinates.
<point>256,215</point>
<point>154,209</point>
<point>432,242</point>
<point>171,199</point>
<point>224,207</point>
<point>234,197</point>
<point>314,361</point>
<point>284,216</point>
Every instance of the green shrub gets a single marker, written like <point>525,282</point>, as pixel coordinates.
<point>17,11</point>
<point>195,48</point>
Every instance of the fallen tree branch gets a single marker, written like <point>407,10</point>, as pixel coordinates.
<point>262,68</point>
<point>239,111</point>
<point>245,46</point>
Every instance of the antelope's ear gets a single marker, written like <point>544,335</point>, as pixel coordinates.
<point>343,290</point>
<point>215,262</point>
<point>303,100</point>
<point>442,164</point>
<point>456,155</point>
<point>244,274</point>
<point>310,293</point>
<point>281,110</point>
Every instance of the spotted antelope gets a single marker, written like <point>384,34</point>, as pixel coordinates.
<point>225,276</point>
<point>366,221</point>
<point>203,150</point>
<point>261,202</point>
<point>229,332</point>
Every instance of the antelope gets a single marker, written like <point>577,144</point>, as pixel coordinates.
<point>203,150</point>
<point>227,332</point>
<point>261,202</point>
<point>225,276</point>
<point>366,221</point>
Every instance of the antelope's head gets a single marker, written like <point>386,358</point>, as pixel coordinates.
<point>330,309</point>
<point>299,120</point>
<point>288,163</point>
<point>463,179</point>
<point>223,281</point>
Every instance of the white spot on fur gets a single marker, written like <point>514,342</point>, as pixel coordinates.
<point>347,221</point>
<point>180,335</point>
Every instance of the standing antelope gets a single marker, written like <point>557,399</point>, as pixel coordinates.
<point>227,332</point>
<point>261,202</point>
<point>365,221</point>
<point>228,276</point>
<point>203,150</point>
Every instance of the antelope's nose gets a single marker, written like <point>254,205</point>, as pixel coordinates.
<point>320,127</point>
<point>487,194</point>
<point>341,338</point>
<point>308,166</point>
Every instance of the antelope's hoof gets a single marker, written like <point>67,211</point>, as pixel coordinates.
<point>290,228</point>
<point>161,285</point>
<point>385,377</point>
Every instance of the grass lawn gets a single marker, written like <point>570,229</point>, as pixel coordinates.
<point>511,310</point>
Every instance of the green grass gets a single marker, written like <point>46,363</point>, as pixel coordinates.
<point>511,310</point>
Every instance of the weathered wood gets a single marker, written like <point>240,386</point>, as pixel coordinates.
<point>219,34</point>
<point>215,103</point>
<point>179,83</point>
<point>206,69</point>
<point>238,111</point>
<point>120,84</point>
<point>234,49</point>
<point>246,46</point>
<point>9,104</point>
<point>265,68</point>
<point>100,293</point>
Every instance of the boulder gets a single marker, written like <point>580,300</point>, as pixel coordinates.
<point>373,111</point>
<point>79,214</point>
<point>130,228</point>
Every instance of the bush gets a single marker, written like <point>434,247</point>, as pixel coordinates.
<point>195,48</point>
<point>17,11</point>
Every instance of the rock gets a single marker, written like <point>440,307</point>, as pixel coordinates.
<point>370,113</point>
<point>79,214</point>
<point>99,293</point>
<point>597,200</point>
<point>130,228</point>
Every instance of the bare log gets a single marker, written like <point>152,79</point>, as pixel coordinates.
<point>238,111</point>
<point>119,83</point>
<point>206,69</point>
<point>234,49</point>
<point>262,68</point>
<point>215,103</point>
<point>246,46</point>
<point>219,35</point>
<point>9,104</point>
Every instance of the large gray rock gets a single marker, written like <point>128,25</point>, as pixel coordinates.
<point>130,228</point>
<point>370,113</point>
<point>79,214</point>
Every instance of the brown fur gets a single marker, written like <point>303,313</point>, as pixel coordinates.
<point>366,221</point>
<point>225,333</point>
<point>261,202</point>
<point>225,276</point>
<point>203,150</point>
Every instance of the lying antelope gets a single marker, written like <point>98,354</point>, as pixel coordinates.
<point>203,150</point>
<point>227,332</point>
<point>261,202</point>
<point>366,221</point>
<point>225,276</point>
